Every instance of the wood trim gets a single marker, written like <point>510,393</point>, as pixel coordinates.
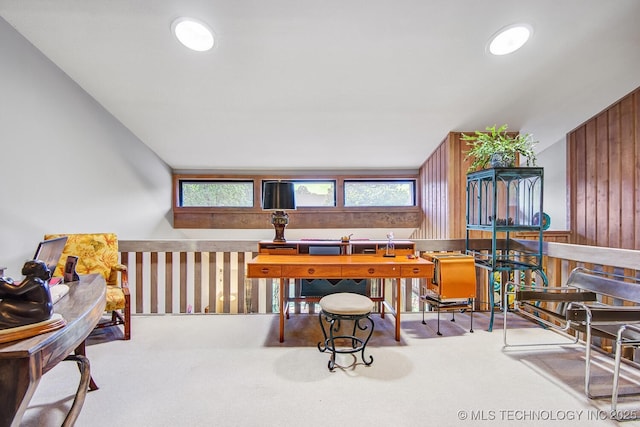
<point>183,282</point>
<point>168,284</point>
<point>154,278</point>
<point>559,236</point>
<point>213,283</point>
<point>197,278</point>
<point>301,218</point>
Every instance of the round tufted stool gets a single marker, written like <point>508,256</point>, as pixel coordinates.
<point>344,306</point>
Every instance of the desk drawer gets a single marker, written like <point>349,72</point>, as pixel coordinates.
<point>397,251</point>
<point>310,271</point>
<point>264,271</point>
<point>374,271</point>
<point>417,271</point>
<point>279,251</point>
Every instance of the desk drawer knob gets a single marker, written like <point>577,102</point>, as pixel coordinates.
<point>311,270</point>
<point>416,270</point>
<point>371,270</point>
<point>264,270</point>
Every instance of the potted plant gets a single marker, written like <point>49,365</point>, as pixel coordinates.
<point>498,148</point>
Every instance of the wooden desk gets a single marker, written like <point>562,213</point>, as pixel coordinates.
<point>23,362</point>
<point>338,267</point>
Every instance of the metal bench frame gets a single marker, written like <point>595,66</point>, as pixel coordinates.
<point>579,307</point>
<point>623,339</point>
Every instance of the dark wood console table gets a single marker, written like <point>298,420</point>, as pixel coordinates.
<point>23,362</point>
<point>304,266</point>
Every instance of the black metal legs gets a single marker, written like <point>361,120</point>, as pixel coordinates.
<point>448,306</point>
<point>361,322</point>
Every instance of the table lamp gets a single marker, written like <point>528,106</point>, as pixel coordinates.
<point>278,196</point>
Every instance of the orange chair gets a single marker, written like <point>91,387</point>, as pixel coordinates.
<point>98,253</point>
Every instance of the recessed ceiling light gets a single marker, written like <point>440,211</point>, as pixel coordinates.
<point>194,34</point>
<point>509,39</point>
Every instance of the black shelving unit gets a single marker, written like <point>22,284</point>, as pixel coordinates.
<point>501,201</point>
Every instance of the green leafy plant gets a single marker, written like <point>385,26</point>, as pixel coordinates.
<point>498,148</point>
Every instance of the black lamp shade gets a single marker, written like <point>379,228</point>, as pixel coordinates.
<point>278,195</point>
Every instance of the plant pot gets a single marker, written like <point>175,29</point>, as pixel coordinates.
<point>500,160</point>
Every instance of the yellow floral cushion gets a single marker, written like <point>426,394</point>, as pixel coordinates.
<point>97,253</point>
<point>115,298</point>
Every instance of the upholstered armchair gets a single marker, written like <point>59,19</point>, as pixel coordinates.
<point>98,253</point>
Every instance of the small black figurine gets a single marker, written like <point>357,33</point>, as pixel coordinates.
<point>26,302</point>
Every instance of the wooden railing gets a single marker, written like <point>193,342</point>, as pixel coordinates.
<point>198,276</point>
<point>192,276</point>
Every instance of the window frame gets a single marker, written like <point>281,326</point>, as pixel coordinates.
<point>337,216</point>
<point>335,190</point>
<point>380,180</point>
<point>220,181</point>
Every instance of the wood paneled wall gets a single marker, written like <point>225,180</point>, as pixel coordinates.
<point>443,178</point>
<point>603,176</point>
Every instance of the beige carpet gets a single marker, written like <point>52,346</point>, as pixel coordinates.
<point>230,370</point>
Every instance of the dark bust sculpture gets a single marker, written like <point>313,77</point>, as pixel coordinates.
<point>26,302</point>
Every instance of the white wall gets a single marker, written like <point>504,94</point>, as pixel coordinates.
<point>554,161</point>
<point>68,165</point>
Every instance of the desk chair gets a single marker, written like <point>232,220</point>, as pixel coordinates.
<point>98,253</point>
<point>453,286</point>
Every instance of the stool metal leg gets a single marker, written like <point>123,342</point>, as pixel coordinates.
<point>364,344</point>
<point>357,344</point>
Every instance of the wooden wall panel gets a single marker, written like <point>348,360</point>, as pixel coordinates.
<point>603,171</point>
<point>636,139</point>
<point>443,180</point>
<point>627,169</point>
<point>433,204</point>
<point>425,176</point>
<point>615,179</point>
<point>441,183</point>
<point>601,182</point>
<point>581,214</point>
<point>590,197</point>
<point>457,182</point>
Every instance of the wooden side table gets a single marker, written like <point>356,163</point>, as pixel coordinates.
<point>23,362</point>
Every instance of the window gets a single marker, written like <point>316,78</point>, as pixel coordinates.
<point>324,200</point>
<point>315,193</point>
<point>379,193</point>
<point>216,194</point>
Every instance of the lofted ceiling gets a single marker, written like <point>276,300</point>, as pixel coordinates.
<point>335,84</point>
